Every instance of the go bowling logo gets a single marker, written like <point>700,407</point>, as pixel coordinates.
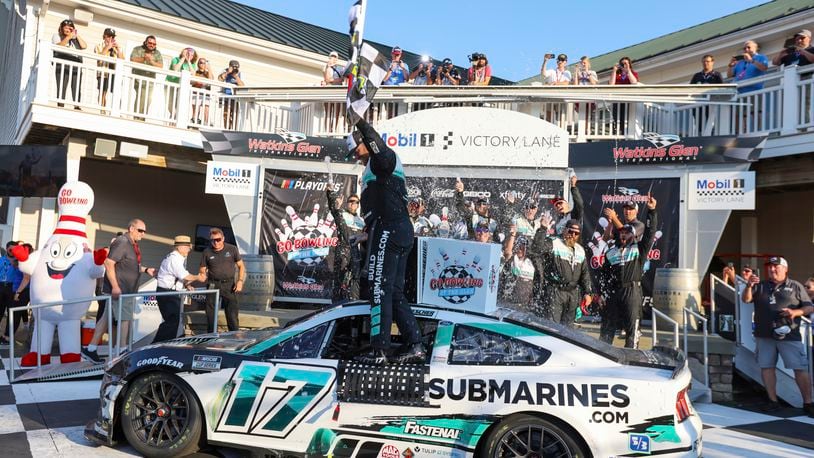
<point>454,279</point>
<point>306,241</point>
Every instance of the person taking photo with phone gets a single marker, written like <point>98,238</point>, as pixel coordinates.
<point>747,65</point>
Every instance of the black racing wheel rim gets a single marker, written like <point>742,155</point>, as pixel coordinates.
<point>160,413</point>
<point>532,441</point>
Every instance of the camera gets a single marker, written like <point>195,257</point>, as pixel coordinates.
<point>475,56</point>
<point>739,57</point>
<point>782,326</point>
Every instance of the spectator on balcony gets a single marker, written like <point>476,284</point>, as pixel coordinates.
<point>480,73</point>
<point>424,73</point>
<point>397,71</point>
<point>559,76</point>
<point>447,74</point>
<point>109,47</point>
<point>750,64</point>
<point>333,73</point>
<point>623,73</point>
<point>798,52</point>
<point>707,75</point>
<point>583,75</point>
<point>201,97</point>
<point>68,74</point>
<point>186,61</point>
<point>230,75</point>
<point>146,54</point>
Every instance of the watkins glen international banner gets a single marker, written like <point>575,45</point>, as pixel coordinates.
<point>281,145</point>
<point>657,149</point>
<point>298,230</point>
<point>601,194</point>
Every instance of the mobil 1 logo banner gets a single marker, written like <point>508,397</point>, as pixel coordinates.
<point>299,231</point>
<point>721,191</point>
<point>439,198</point>
<point>601,194</point>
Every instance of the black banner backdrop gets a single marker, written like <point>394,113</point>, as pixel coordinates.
<point>283,145</point>
<point>440,192</point>
<point>300,236</point>
<point>601,194</point>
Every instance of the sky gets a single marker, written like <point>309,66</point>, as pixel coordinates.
<point>514,34</point>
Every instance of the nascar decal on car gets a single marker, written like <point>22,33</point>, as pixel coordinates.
<point>160,361</point>
<point>269,399</point>
<point>510,392</point>
<point>206,362</point>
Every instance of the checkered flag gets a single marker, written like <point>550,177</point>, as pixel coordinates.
<point>369,76</point>
<point>290,137</point>
<point>447,140</point>
<point>661,140</point>
<point>225,142</point>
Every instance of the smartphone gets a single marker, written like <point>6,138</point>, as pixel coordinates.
<point>549,56</point>
<point>738,57</point>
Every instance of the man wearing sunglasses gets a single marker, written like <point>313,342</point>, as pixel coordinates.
<point>625,262</point>
<point>482,213</point>
<point>218,264</point>
<point>564,212</point>
<point>384,206</point>
<point>564,271</point>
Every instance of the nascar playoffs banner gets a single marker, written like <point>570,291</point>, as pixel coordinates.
<point>439,196</point>
<point>458,274</point>
<point>299,231</point>
<point>602,194</point>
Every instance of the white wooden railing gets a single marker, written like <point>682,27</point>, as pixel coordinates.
<point>124,89</point>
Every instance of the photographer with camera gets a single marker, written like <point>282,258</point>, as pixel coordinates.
<point>231,75</point>
<point>398,71</point>
<point>424,74</point>
<point>108,47</point>
<point>480,73</point>
<point>447,74</point>
<point>779,303</point>
<point>750,64</point>
<point>623,72</point>
<point>558,76</point>
<point>796,51</point>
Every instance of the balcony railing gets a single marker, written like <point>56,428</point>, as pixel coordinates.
<point>127,90</point>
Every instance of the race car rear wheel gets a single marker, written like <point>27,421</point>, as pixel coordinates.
<point>160,417</point>
<point>531,437</point>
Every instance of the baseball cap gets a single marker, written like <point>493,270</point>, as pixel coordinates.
<point>333,54</point>
<point>482,226</point>
<point>521,241</point>
<point>482,200</point>
<point>446,61</point>
<point>778,261</point>
<point>573,224</point>
<point>396,50</point>
<point>562,57</point>
<point>804,32</point>
<point>417,201</point>
<point>182,240</point>
<point>109,32</point>
<point>530,203</point>
<point>630,228</point>
<point>353,140</point>
<point>557,199</point>
<point>631,204</point>
<point>234,63</point>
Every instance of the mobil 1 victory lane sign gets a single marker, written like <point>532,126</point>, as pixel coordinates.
<point>721,191</point>
<point>231,178</point>
<point>475,136</point>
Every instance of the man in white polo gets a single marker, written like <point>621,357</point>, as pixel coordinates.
<point>779,304</point>
<point>173,276</point>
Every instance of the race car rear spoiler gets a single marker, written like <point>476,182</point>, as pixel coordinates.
<point>659,357</point>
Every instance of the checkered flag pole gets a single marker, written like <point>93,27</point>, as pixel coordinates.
<point>371,71</point>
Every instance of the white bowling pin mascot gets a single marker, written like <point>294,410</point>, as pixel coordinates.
<point>64,268</point>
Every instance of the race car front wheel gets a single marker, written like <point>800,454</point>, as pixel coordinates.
<point>531,437</point>
<point>160,417</point>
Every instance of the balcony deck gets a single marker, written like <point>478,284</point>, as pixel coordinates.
<point>159,105</point>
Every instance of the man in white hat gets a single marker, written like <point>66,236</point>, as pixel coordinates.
<point>799,52</point>
<point>173,276</point>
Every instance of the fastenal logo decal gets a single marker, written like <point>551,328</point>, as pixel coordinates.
<point>414,428</point>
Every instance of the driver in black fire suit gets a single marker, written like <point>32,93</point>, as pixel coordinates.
<point>384,208</point>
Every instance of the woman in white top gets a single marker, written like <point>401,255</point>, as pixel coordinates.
<point>583,75</point>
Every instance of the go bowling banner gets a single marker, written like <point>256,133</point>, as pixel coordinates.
<point>458,274</point>
<point>601,194</point>
<point>298,230</point>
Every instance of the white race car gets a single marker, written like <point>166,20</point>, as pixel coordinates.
<point>501,385</point>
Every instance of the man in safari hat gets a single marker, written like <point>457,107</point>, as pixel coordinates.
<point>173,276</point>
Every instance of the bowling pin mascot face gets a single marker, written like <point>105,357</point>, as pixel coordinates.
<point>65,268</point>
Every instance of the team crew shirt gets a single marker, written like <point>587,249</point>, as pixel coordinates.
<point>770,299</point>
<point>127,256</point>
<point>221,264</point>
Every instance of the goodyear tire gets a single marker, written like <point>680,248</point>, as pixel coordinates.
<point>160,417</point>
<point>529,436</point>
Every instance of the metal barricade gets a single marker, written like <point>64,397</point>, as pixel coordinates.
<point>687,311</point>
<point>657,313</point>
<point>131,330</point>
<point>713,280</point>
<point>805,331</point>
<point>36,308</point>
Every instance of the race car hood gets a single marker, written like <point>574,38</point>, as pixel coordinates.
<point>224,341</point>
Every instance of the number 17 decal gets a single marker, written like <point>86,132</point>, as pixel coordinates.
<point>270,399</point>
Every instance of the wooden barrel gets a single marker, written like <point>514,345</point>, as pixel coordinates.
<point>674,289</point>
<point>258,289</point>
